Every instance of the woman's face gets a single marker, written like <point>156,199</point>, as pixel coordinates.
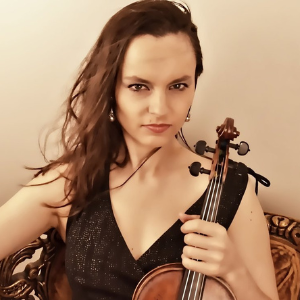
<point>155,86</point>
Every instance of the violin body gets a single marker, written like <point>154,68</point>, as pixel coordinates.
<point>163,283</point>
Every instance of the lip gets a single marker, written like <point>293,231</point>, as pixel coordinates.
<point>157,128</point>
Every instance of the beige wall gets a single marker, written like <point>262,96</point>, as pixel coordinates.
<point>252,73</point>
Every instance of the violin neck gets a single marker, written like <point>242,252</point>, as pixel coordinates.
<point>212,200</point>
<point>193,282</point>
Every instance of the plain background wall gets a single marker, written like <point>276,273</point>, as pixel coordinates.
<point>252,73</point>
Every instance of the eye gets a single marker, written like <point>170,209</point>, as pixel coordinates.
<point>179,86</point>
<point>136,87</point>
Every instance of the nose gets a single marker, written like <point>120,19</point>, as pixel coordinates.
<point>158,104</point>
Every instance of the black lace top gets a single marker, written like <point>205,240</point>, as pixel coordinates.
<point>99,264</point>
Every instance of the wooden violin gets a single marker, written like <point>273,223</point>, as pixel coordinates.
<point>172,281</point>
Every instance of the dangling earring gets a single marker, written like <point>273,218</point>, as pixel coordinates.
<point>188,117</point>
<point>111,115</point>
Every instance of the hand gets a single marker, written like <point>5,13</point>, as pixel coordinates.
<point>208,249</point>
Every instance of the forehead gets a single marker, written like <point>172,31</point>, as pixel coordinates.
<point>159,57</point>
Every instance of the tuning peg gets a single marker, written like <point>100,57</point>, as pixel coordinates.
<point>243,148</point>
<point>195,169</point>
<point>201,147</point>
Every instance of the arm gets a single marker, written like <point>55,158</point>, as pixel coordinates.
<point>241,256</point>
<point>250,236</point>
<point>26,216</point>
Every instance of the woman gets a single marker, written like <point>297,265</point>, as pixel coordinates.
<point>118,192</point>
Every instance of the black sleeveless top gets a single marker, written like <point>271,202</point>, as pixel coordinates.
<point>99,264</point>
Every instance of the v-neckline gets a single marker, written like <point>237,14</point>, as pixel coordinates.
<point>107,184</point>
<point>157,240</point>
<point>123,239</point>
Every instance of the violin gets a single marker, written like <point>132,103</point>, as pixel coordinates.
<point>172,281</point>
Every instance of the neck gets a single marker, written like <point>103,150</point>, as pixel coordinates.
<point>153,159</point>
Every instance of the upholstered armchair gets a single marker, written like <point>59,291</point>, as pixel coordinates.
<point>44,277</point>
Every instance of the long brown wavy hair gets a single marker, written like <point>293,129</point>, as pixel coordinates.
<point>89,140</point>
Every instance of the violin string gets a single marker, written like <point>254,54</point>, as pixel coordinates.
<point>214,214</point>
<point>205,210</point>
<point>186,283</point>
<point>211,216</point>
<point>205,216</point>
<point>218,197</point>
<point>210,213</point>
<point>191,285</point>
<point>197,286</point>
<point>189,271</point>
<point>201,277</point>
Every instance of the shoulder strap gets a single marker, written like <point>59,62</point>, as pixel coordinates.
<point>259,179</point>
<point>233,191</point>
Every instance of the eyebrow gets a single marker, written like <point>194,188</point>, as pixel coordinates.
<point>141,80</point>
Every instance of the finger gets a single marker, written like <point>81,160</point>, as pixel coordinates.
<point>205,242</point>
<point>185,217</point>
<point>204,255</point>
<point>202,267</point>
<point>199,241</point>
<point>203,227</point>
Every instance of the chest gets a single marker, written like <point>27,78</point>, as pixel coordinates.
<point>98,258</point>
<point>145,211</point>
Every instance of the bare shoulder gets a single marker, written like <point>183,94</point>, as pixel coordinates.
<point>50,187</point>
<point>32,210</point>
<point>48,190</point>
